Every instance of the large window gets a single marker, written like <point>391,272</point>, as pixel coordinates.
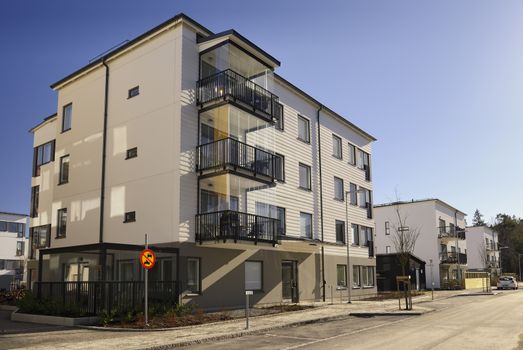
<point>272,211</point>
<point>253,275</point>
<point>340,231</point>
<point>67,116</point>
<point>442,224</point>
<point>355,234</point>
<point>279,167</point>
<point>338,188</point>
<point>39,237</point>
<point>367,273</point>
<point>364,199</point>
<point>35,199</point>
<point>336,147</point>
<point>20,248</point>
<point>353,194</point>
<point>193,275</point>
<point>387,228</point>
<point>306,225</point>
<point>61,230</point>
<point>356,276</point>
<point>64,170</point>
<point>352,154</point>
<point>43,154</point>
<point>304,130</point>
<point>305,176</point>
<point>366,235</point>
<point>363,163</point>
<point>3,226</point>
<point>341,276</point>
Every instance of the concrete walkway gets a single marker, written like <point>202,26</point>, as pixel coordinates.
<point>96,339</point>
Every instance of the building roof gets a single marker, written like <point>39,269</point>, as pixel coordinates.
<point>414,257</point>
<point>14,214</point>
<point>46,119</point>
<point>419,201</point>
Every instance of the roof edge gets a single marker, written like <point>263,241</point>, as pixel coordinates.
<point>46,119</point>
<point>15,214</point>
<point>414,201</point>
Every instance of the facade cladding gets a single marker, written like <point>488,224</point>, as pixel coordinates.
<point>238,177</point>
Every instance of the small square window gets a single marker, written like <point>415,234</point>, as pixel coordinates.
<point>135,91</point>
<point>130,216</point>
<point>132,153</point>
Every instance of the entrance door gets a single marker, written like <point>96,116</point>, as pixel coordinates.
<point>289,281</point>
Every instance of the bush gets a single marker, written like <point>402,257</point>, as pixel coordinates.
<point>30,304</point>
<point>12,297</point>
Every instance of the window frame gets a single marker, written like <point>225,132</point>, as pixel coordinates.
<point>131,153</point>
<point>36,165</point>
<point>353,191</point>
<point>70,116</point>
<point>338,180</point>
<point>61,180</point>
<point>130,93</point>
<point>337,140</point>
<point>344,274</point>
<point>356,279</point>
<point>260,262</point>
<point>368,271</point>
<point>305,214</point>
<point>387,228</point>
<point>282,157</point>
<point>61,227</point>
<point>129,216</point>
<point>21,251</point>
<point>280,123</point>
<point>352,154</point>
<point>355,231</point>
<point>309,180</point>
<point>308,129</point>
<point>198,278</point>
<point>337,222</point>
<point>35,201</point>
<point>387,249</point>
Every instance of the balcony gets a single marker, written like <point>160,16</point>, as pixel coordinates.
<point>491,247</point>
<point>451,233</point>
<point>236,226</point>
<point>230,86</point>
<point>231,155</point>
<point>371,249</point>
<point>452,258</point>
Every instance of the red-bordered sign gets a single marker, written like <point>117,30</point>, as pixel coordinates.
<point>147,259</point>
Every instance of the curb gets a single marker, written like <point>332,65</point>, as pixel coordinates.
<point>392,313</point>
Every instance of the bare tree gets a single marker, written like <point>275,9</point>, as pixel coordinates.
<point>403,238</point>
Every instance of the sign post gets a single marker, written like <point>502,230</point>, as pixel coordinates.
<point>147,259</point>
<point>247,293</point>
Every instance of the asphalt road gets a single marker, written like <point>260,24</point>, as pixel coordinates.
<point>475,322</point>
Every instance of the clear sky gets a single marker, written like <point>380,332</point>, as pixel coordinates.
<point>439,83</point>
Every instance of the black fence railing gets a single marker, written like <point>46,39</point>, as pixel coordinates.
<point>229,84</point>
<point>228,224</point>
<point>371,249</point>
<point>369,210</point>
<point>451,232</point>
<point>229,152</point>
<point>452,258</point>
<point>90,298</point>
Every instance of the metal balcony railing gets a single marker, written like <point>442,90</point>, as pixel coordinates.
<point>451,232</point>
<point>229,84</point>
<point>492,247</point>
<point>452,258</point>
<point>371,249</point>
<point>231,153</point>
<point>234,225</point>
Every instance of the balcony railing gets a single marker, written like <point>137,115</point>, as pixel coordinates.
<point>452,258</point>
<point>371,249</point>
<point>233,225</point>
<point>451,232</point>
<point>492,247</point>
<point>236,155</point>
<point>231,85</point>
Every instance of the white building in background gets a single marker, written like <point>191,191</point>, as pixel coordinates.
<point>483,249</point>
<point>13,249</point>
<point>441,239</point>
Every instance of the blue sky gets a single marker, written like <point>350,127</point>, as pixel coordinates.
<point>439,83</point>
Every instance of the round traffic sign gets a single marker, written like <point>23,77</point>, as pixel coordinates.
<point>147,259</point>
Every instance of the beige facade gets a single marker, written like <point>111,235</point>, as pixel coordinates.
<point>195,158</point>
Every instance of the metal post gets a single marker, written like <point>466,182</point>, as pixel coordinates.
<point>146,289</point>
<point>247,293</point>
<point>432,278</point>
<point>347,242</point>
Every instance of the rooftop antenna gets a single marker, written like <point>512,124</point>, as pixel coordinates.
<point>109,50</point>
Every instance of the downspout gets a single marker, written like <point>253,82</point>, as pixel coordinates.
<point>321,208</point>
<point>104,153</point>
<point>458,274</point>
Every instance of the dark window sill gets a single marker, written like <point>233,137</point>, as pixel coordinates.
<point>128,221</point>
<point>64,131</point>
<point>62,183</point>
<point>339,199</point>
<point>305,189</point>
<point>339,158</point>
<point>127,158</point>
<point>304,141</point>
<point>59,237</point>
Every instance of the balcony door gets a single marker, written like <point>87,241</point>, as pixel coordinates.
<point>212,201</point>
<point>289,281</point>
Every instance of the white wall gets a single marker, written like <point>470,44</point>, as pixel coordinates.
<point>476,246</point>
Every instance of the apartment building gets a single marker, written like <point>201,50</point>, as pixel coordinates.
<point>441,239</point>
<point>483,249</point>
<point>239,178</point>
<point>13,252</point>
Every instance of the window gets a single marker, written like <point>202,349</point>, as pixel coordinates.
<point>305,177</point>
<point>336,147</point>
<point>272,211</point>
<point>304,131</point>
<point>352,154</point>
<point>366,235</point>
<point>67,114</point>
<point>132,153</point>
<point>279,120</point>
<point>340,231</point>
<point>367,273</point>
<point>341,276</point>
<point>12,227</point>
<point>253,275</point>
<point>20,248</point>
<point>35,199</point>
<point>364,199</point>
<point>64,170</point>
<point>306,225</point>
<point>356,276</point>
<point>281,222</point>
<point>363,163</point>
<point>387,249</point>
<point>135,91</point>
<point>20,230</point>
<point>338,189</point>
<point>130,216</point>
<point>39,237</point>
<point>355,234</point>
<point>3,226</point>
<point>61,223</point>
<point>193,275</point>
<point>353,194</point>
<point>279,167</point>
<point>43,154</point>
<point>387,228</point>
<point>442,225</point>
<point>451,228</point>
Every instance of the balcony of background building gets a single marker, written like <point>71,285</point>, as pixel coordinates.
<point>230,86</point>
<point>232,155</point>
<point>447,233</point>
<point>452,258</point>
<point>492,247</point>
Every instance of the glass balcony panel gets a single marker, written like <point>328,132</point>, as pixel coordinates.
<point>229,56</point>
